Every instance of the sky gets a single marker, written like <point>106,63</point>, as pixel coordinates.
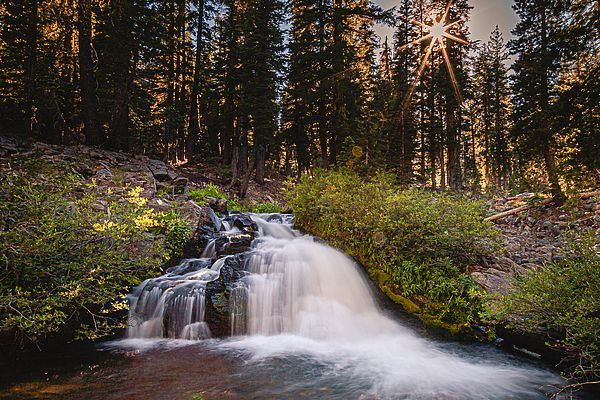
<point>485,15</point>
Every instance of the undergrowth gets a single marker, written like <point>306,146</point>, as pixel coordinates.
<point>424,241</point>
<point>71,252</point>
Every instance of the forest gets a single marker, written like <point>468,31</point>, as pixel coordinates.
<point>267,86</point>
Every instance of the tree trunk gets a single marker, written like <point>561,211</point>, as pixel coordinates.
<point>31,45</point>
<point>126,61</point>
<point>87,81</point>
<point>248,173</point>
<point>260,156</point>
<point>548,144</point>
<point>194,112</point>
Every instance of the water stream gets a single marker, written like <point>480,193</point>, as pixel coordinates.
<point>304,325</point>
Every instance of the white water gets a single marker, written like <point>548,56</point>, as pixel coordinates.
<point>308,304</point>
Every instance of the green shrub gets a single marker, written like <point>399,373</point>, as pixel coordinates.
<point>68,256</point>
<point>411,235</point>
<point>199,195</point>
<point>177,233</point>
<point>562,300</point>
<point>267,208</point>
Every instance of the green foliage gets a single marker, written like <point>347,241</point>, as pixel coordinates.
<point>562,300</point>
<point>267,208</point>
<point>417,237</point>
<point>200,195</point>
<point>449,292</point>
<point>177,233</point>
<point>68,256</point>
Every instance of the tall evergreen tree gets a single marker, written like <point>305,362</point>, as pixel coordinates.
<point>537,45</point>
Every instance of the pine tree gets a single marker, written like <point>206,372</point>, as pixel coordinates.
<point>537,47</point>
<point>492,110</point>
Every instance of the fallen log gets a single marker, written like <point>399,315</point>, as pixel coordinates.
<point>585,195</point>
<point>517,210</point>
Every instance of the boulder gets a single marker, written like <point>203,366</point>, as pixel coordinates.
<point>232,243</point>
<point>180,184</point>
<point>160,171</point>
<point>218,205</point>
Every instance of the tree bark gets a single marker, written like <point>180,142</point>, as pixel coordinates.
<point>87,80</point>
<point>194,112</point>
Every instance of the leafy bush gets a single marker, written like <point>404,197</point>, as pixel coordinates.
<point>200,195</point>
<point>416,237</point>
<point>267,208</point>
<point>563,301</point>
<point>68,256</point>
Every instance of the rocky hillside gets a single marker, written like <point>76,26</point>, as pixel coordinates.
<point>534,236</point>
<point>79,226</point>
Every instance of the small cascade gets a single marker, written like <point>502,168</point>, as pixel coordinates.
<point>173,305</point>
<point>210,249</point>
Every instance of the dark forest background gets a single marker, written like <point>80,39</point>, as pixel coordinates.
<point>270,87</point>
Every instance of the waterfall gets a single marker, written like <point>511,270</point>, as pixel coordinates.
<point>291,299</point>
<point>173,305</point>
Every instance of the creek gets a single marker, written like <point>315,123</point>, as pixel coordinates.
<point>290,318</point>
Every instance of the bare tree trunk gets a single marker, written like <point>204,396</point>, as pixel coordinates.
<point>126,63</point>
<point>249,169</point>
<point>87,81</point>
<point>260,153</point>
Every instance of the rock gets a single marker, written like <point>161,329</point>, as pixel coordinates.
<point>243,222</point>
<point>216,222</point>
<point>159,170</point>
<point>218,297</point>
<point>104,173</point>
<point>218,205</point>
<point>132,167</point>
<point>100,205</point>
<point>180,184</point>
<point>196,215</point>
<point>493,280</point>
<point>159,204</point>
<point>505,264</point>
<point>232,243</point>
<point>189,266</point>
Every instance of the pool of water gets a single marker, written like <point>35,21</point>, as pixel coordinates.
<point>279,367</point>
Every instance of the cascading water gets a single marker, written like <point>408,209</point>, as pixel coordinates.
<point>173,304</point>
<point>303,302</point>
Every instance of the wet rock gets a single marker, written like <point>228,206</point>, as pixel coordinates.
<point>216,222</point>
<point>243,222</point>
<point>232,243</point>
<point>218,294</point>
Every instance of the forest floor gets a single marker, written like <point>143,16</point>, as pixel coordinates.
<point>534,236</point>
<point>530,237</point>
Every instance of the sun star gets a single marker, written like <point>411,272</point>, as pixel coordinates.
<point>438,32</point>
